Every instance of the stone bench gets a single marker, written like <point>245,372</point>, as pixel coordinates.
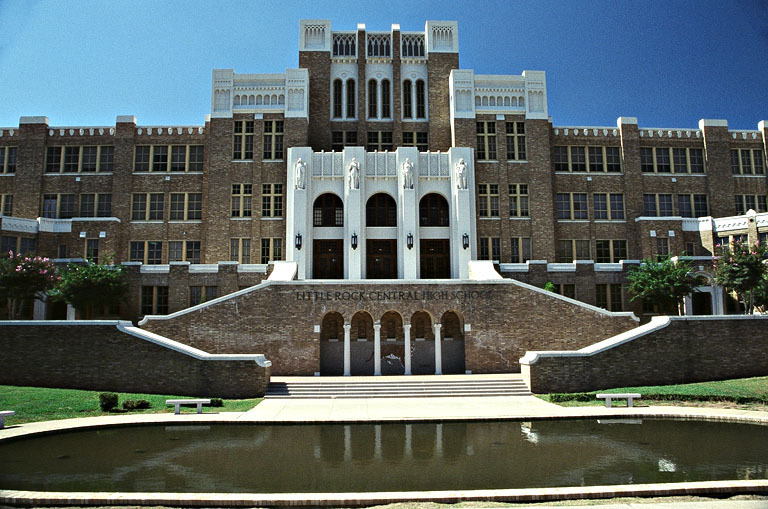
<point>3,415</point>
<point>629,396</point>
<point>179,402</point>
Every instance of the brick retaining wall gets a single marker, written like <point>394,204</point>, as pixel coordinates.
<point>101,356</point>
<point>668,350</point>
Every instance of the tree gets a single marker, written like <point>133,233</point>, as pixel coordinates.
<point>740,267</point>
<point>665,282</point>
<point>23,277</point>
<point>85,286</point>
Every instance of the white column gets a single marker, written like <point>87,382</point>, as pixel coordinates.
<point>438,350</point>
<point>377,349</point>
<point>70,312</point>
<point>407,332</point>
<point>347,352</point>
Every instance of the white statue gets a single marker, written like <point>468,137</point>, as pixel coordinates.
<point>354,174</point>
<point>461,174</point>
<point>408,174</point>
<point>301,174</point>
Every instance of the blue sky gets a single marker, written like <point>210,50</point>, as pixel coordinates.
<point>668,63</point>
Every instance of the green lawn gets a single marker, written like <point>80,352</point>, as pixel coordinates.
<point>740,391</point>
<point>33,404</point>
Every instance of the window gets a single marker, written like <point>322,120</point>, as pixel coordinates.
<point>569,250</point>
<point>609,207</point>
<point>72,159</point>
<point>571,205</point>
<point>154,300</point>
<point>690,249</point>
<point>657,205</point>
<point>149,252</point>
<point>610,251</point>
<point>184,251</point>
<point>59,206</point>
<point>328,210</point>
<point>489,248</point>
<point>186,207</point>
<point>341,139</point>
<point>380,210</point>
<point>273,139</point>
<point>159,158</point>
<point>747,162</point>
<point>242,198</point>
<point>240,250</point>
<point>8,159</point>
<point>242,148</point>
<point>337,98</point>
<point>521,249</point>
<point>141,157</point>
<point>95,205</point>
<point>574,159</point>
<point>420,100</point>
<point>692,205</point>
<point>608,296</point>
<point>486,141</point>
<point>373,99</point>
<point>195,157</point>
<point>351,113</point>
<point>566,289</point>
<point>407,99</point>
<point>148,207</point>
<point>200,294</point>
<point>6,205</point>
<point>386,107</point>
<point>488,200</point>
<point>272,200</point>
<point>271,250</point>
<point>516,141</point>
<point>664,160</point>
<point>379,140</point>
<point>745,202</point>
<point>92,249</point>
<point>568,158</point>
<point>518,200</point>
<point>433,210</point>
<point>416,139</point>
<point>662,248</point>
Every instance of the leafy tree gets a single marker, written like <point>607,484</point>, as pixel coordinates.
<point>85,286</point>
<point>23,277</point>
<point>550,287</point>
<point>665,282</point>
<point>740,267</point>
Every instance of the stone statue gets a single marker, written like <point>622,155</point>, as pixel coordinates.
<point>461,174</point>
<point>301,174</point>
<point>354,174</point>
<point>408,174</point>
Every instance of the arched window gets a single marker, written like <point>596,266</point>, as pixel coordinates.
<point>421,110</point>
<point>350,98</point>
<point>492,101</point>
<point>259,100</point>
<point>506,101</point>
<point>521,101</point>
<point>433,210</point>
<point>407,99</point>
<point>477,100</point>
<point>281,99</point>
<point>485,100</point>
<point>381,210</point>
<point>386,110</point>
<point>337,93</point>
<point>251,100</point>
<point>328,210</point>
<point>514,101</point>
<point>372,99</point>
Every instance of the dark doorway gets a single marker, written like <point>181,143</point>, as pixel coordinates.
<point>381,259</point>
<point>328,259</point>
<point>702,303</point>
<point>435,259</point>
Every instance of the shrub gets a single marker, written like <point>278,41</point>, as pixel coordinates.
<point>107,401</point>
<point>141,404</point>
<point>560,397</point>
<point>217,402</point>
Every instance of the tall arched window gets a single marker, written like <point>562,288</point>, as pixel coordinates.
<point>350,98</point>
<point>381,210</point>
<point>328,210</point>
<point>421,110</point>
<point>386,110</point>
<point>433,210</point>
<point>337,100</point>
<point>407,99</point>
<point>373,99</point>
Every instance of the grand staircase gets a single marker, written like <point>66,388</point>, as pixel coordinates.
<point>397,386</point>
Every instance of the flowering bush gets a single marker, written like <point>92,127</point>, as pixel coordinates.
<point>23,277</point>
<point>740,267</point>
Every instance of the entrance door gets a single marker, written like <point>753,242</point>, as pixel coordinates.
<point>702,303</point>
<point>328,259</point>
<point>381,259</point>
<point>435,259</point>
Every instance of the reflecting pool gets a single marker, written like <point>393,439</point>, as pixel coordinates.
<point>385,457</point>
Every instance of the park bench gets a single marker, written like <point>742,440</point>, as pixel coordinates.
<point>629,396</point>
<point>3,415</point>
<point>178,402</point>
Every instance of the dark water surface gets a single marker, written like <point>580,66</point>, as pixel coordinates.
<point>385,457</point>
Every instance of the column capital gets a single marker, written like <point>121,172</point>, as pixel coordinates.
<point>407,326</point>
<point>377,326</point>
<point>347,326</point>
<point>438,325</point>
